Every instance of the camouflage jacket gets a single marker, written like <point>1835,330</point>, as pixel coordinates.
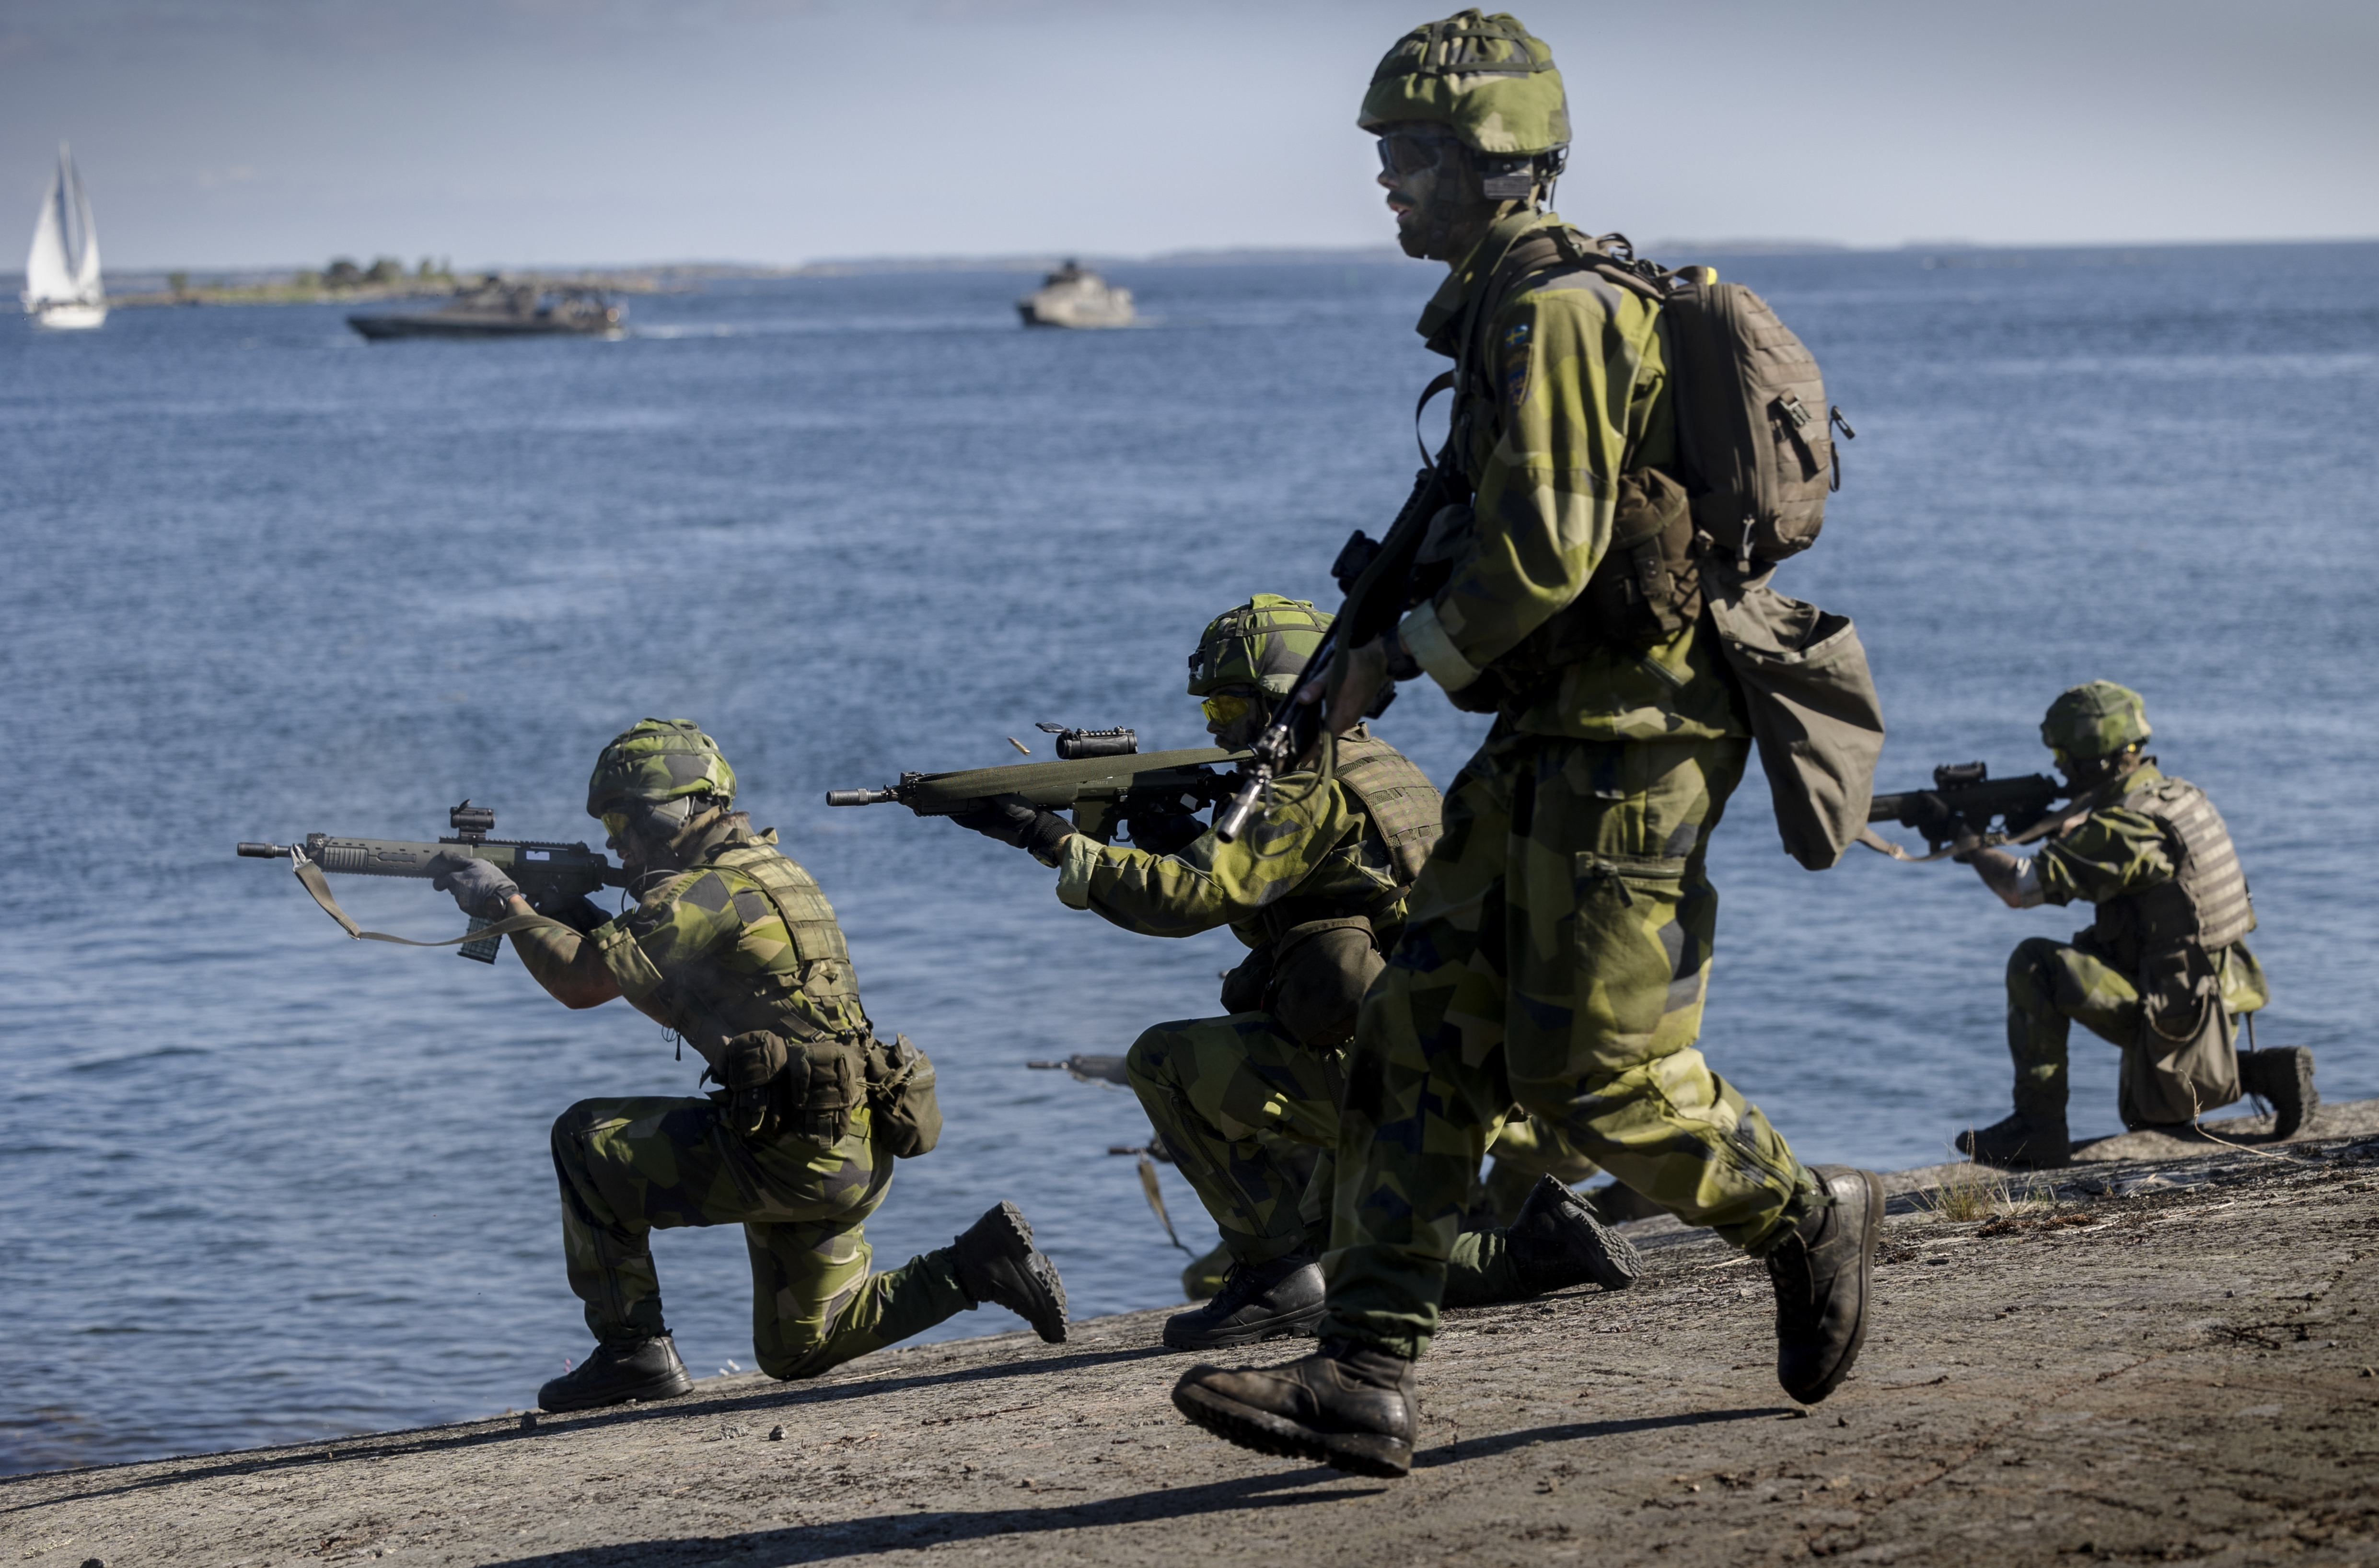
<point>1574,393</point>
<point>2109,854</point>
<point>1316,858</point>
<point>739,939</point>
<point>2116,852</point>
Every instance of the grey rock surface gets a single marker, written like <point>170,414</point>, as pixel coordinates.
<point>2172,1355</point>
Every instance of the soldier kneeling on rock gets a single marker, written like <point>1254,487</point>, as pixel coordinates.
<point>2163,971</point>
<point>733,944</point>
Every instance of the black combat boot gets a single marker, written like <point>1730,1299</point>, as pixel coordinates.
<point>1276,1300</point>
<point>2281,1075</point>
<point>1348,1405</point>
<point>2036,1141</point>
<point>1822,1276</point>
<point>616,1373</point>
<point>995,1262</point>
<point>1557,1242</point>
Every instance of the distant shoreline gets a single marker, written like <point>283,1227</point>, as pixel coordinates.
<point>293,285</point>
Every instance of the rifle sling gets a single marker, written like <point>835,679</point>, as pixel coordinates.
<point>310,876</point>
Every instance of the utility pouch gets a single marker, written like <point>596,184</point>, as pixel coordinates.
<point>1319,972</point>
<point>901,1100</point>
<point>833,1074</point>
<point>752,1066</point>
<point>1811,706</point>
<point>1244,988</point>
<point>2185,1061</point>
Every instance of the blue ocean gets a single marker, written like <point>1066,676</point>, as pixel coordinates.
<point>265,1184</point>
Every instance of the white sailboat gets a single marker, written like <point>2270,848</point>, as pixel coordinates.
<point>62,287</point>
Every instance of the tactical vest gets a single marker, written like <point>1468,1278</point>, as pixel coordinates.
<point>2166,938</point>
<point>803,989</point>
<point>2205,905</point>
<point>1322,954</point>
<point>1406,809</point>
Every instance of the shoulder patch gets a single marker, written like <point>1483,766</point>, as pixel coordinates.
<point>1515,360</point>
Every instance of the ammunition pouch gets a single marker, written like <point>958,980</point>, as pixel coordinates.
<point>1647,588</point>
<point>901,1103</point>
<point>2185,1062</point>
<point>752,1067</point>
<point>1244,988</point>
<point>1319,972</point>
<point>774,1085</point>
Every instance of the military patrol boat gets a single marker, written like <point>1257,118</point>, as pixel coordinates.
<point>1073,296</point>
<point>62,290</point>
<point>494,309</point>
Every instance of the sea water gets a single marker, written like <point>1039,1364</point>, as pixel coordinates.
<point>264,1183</point>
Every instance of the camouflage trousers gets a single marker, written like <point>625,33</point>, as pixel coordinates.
<point>1237,1100</point>
<point>1555,954</point>
<point>1527,1147</point>
<point>2052,985</point>
<point>631,1166</point>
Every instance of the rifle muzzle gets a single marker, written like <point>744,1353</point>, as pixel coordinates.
<point>837,798</point>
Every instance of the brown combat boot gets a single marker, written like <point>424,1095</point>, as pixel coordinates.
<point>2281,1075</point>
<point>1348,1405</point>
<point>1824,1274</point>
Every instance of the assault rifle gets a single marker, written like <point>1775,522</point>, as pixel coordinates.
<point>1100,776</point>
<point>1965,800</point>
<point>546,872</point>
<point>1380,584</point>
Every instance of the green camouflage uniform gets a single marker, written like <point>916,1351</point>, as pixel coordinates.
<point>1224,1092</point>
<point>740,939</point>
<point>2114,852</point>
<point>1557,945</point>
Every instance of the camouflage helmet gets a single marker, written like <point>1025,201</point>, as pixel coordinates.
<point>1483,77</point>
<point>656,760</point>
<point>2095,720</point>
<point>1263,643</point>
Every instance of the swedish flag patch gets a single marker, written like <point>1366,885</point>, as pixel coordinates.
<point>1515,364</point>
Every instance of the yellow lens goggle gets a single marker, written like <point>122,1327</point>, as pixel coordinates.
<point>1224,707</point>
<point>615,822</point>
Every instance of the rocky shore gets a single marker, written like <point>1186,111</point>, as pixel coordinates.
<point>2170,1352</point>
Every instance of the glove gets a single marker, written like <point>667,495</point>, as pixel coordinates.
<point>480,887</point>
<point>1167,833</point>
<point>1014,820</point>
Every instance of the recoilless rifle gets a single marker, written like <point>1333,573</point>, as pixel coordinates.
<point>547,872</point>
<point>1965,800</point>
<point>1101,776</point>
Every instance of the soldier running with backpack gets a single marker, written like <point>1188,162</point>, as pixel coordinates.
<point>1556,948</point>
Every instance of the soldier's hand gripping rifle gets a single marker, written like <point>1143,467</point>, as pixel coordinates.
<point>1957,813</point>
<point>1380,584</point>
<point>549,875</point>
<point>1100,776</point>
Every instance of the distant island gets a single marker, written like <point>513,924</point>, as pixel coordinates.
<point>344,281</point>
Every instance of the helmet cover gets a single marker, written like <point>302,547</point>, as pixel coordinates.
<point>2095,720</point>
<point>1263,643</point>
<point>1485,78</point>
<point>656,760</point>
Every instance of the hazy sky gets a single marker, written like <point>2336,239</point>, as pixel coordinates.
<point>262,132</point>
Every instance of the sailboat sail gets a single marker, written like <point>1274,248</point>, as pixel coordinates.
<point>62,286</point>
